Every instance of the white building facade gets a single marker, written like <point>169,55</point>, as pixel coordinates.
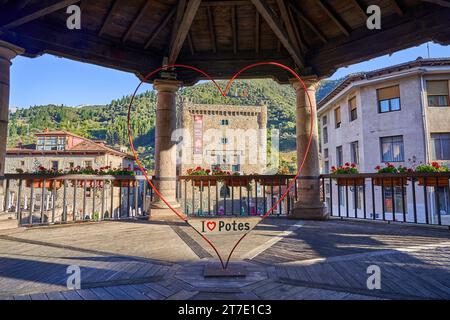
<point>400,115</point>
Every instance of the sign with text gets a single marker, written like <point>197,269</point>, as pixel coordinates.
<point>223,225</point>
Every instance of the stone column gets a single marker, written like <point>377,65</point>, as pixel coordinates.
<point>165,148</point>
<point>7,53</point>
<point>309,205</point>
<point>262,138</point>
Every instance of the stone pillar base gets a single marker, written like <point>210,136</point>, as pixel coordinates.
<point>163,215</point>
<point>159,204</point>
<point>303,212</point>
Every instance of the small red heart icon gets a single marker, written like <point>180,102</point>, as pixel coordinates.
<point>211,225</point>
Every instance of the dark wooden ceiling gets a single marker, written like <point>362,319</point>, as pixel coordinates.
<point>313,36</point>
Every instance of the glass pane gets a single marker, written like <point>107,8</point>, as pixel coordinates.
<point>384,106</point>
<point>395,104</point>
<point>386,151</point>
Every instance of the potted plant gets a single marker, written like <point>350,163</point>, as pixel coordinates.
<point>50,184</point>
<point>347,169</point>
<point>199,171</point>
<point>390,168</point>
<point>432,181</point>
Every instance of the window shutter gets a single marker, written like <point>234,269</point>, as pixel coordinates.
<point>389,93</point>
<point>352,103</point>
<point>437,88</point>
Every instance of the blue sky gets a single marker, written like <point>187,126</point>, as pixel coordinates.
<point>48,79</point>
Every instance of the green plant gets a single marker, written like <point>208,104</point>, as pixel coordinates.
<point>345,169</point>
<point>433,167</point>
<point>390,168</point>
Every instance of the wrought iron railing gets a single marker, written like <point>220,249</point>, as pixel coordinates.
<point>420,198</point>
<point>244,195</point>
<point>46,199</point>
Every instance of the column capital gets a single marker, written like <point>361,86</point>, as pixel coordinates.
<point>165,85</point>
<point>9,51</point>
<point>311,83</point>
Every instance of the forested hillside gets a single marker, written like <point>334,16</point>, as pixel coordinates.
<point>109,122</point>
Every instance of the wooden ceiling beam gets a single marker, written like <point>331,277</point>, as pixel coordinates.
<point>9,20</point>
<point>190,43</point>
<point>398,9</point>
<point>234,28</point>
<point>276,27</point>
<point>257,32</point>
<point>185,26</point>
<point>178,17</point>
<point>443,3</point>
<point>332,14</point>
<point>112,9</point>
<point>224,3</point>
<point>160,27</point>
<point>308,22</point>
<point>360,8</point>
<point>212,33</point>
<point>297,32</point>
<point>139,15</point>
<point>288,24</point>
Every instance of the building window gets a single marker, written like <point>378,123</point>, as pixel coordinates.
<point>444,200</point>
<point>71,165</point>
<point>337,117</point>
<point>388,99</point>
<point>324,120</point>
<point>224,140</point>
<point>440,145</point>
<point>398,199</point>
<point>88,164</point>
<point>55,165</point>
<point>437,93</point>
<point>236,168</point>
<point>392,149</point>
<point>224,122</point>
<point>51,143</point>
<point>22,163</point>
<point>325,135</point>
<point>339,156</point>
<point>326,167</point>
<point>353,110</point>
<point>354,149</point>
<point>325,153</point>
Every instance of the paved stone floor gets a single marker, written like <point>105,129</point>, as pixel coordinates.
<point>284,260</point>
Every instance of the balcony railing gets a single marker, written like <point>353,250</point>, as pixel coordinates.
<point>44,199</point>
<point>420,198</point>
<point>245,195</point>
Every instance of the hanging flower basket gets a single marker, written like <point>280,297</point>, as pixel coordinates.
<point>350,182</point>
<point>204,183</point>
<point>237,182</point>
<point>124,183</point>
<point>387,182</point>
<point>431,181</point>
<point>49,184</point>
<point>273,181</point>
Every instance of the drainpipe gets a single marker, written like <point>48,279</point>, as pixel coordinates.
<point>424,117</point>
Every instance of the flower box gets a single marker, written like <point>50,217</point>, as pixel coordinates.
<point>387,182</point>
<point>204,183</point>
<point>237,182</point>
<point>49,184</point>
<point>350,182</point>
<point>431,181</point>
<point>273,181</point>
<point>124,183</point>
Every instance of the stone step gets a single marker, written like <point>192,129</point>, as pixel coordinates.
<point>7,216</point>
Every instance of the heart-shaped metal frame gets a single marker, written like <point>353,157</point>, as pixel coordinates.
<point>224,93</point>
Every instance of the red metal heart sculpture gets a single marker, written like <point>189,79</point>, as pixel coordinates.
<point>211,225</point>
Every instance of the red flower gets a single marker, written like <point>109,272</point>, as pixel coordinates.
<point>436,165</point>
<point>347,164</point>
<point>333,168</point>
<point>353,165</point>
<point>377,168</point>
